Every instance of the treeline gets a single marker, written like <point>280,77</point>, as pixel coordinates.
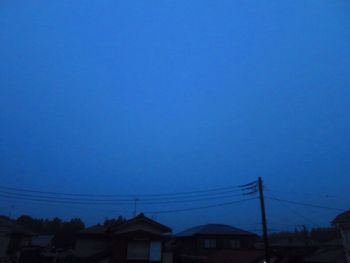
<point>64,232</point>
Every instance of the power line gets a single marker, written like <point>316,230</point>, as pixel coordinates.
<point>306,204</point>
<point>108,201</point>
<point>303,193</point>
<point>295,212</point>
<point>283,224</point>
<point>200,208</point>
<point>207,191</point>
<point>150,212</point>
<point>99,199</point>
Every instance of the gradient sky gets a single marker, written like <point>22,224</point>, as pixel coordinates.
<point>156,96</point>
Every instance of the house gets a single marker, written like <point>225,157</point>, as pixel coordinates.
<point>13,237</point>
<point>200,243</point>
<point>139,239</point>
<point>91,242</point>
<point>342,222</point>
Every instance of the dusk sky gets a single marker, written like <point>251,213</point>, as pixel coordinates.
<point>159,96</point>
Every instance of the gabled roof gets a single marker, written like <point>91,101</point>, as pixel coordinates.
<point>342,218</point>
<point>213,229</point>
<point>124,227</point>
<point>139,220</point>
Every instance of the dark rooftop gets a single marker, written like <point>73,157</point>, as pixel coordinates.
<point>342,218</point>
<point>213,229</point>
<point>141,218</point>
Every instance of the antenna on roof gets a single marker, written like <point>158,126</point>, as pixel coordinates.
<point>135,205</point>
<point>12,207</point>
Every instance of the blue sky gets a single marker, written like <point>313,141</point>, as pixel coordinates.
<point>156,96</point>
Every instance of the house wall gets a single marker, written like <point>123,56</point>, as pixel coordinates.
<point>4,243</point>
<point>345,233</point>
<point>167,257</point>
<point>120,250</point>
<point>145,227</point>
<point>16,242</point>
<point>193,248</point>
<point>186,249</point>
<point>90,244</point>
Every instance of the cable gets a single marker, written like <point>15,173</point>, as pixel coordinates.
<point>199,208</point>
<point>303,193</point>
<point>306,204</point>
<point>283,224</point>
<point>231,188</point>
<point>181,198</point>
<point>106,202</point>
<point>297,213</point>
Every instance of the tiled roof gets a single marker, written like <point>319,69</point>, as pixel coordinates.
<point>118,226</point>
<point>139,219</point>
<point>213,229</point>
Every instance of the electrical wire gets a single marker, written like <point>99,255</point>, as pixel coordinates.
<point>207,191</point>
<point>200,208</point>
<point>306,204</point>
<point>64,198</point>
<point>110,202</point>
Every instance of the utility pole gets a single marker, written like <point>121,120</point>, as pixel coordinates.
<point>263,219</point>
<point>251,189</point>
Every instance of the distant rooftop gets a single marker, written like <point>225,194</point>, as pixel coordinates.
<point>342,218</point>
<point>103,230</point>
<point>213,229</point>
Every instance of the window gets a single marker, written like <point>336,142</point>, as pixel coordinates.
<point>155,251</point>
<point>209,243</point>
<point>138,250</point>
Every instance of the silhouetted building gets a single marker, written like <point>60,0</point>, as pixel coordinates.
<point>200,243</point>
<point>13,237</point>
<point>342,222</point>
<point>92,241</point>
<point>139,239</point>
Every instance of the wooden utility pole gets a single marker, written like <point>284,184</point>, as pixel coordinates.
<point>263,219</point>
